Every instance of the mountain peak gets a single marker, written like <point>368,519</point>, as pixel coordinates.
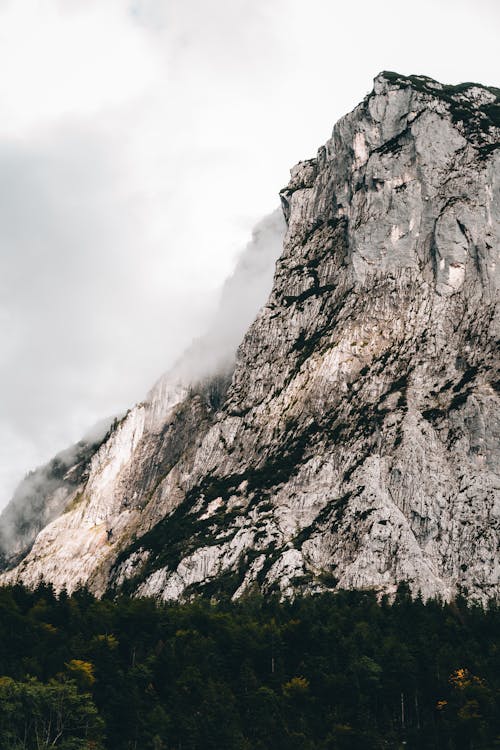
<point>473,105</point>
<point>426,84</point>
<point>358,443</point>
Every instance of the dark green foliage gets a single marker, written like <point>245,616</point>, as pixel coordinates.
<point>320,673</point>
<point>40,716</point>
<point>492,111</point>
<point>429,85</point>
<point>475,119</point>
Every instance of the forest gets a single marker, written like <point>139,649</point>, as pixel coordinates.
<point>333,671</point>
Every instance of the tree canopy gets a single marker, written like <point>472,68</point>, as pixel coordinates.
<point>335,671</point>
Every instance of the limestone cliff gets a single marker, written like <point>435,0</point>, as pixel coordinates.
<point>358,443</point>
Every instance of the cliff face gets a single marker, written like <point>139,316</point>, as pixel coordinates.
<point>358,443</point>
<point>44,494</point>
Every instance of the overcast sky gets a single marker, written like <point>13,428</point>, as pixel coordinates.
<point>140,141</point>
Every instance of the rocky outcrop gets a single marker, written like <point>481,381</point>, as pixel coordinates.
<point>358,443</point>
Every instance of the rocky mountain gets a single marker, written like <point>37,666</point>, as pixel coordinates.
<point>357,443</point>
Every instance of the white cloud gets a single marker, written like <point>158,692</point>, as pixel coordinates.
<point>68,59</point>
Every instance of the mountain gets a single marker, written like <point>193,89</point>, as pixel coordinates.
<point>357,443</point>
<point>91,489</point>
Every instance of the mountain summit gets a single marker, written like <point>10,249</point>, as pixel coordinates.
<point>356,441</point>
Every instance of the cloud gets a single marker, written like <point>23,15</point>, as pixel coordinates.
<point>70,58</point>
<point>242,296</point>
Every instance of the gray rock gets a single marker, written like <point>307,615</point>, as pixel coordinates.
<point>358,444</point>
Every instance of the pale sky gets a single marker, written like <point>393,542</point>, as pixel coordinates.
<point>140,142</point>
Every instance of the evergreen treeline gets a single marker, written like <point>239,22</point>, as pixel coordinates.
<point>320,673</point>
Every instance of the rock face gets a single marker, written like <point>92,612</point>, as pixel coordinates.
<point>45,493</point>
<point>358,443</point>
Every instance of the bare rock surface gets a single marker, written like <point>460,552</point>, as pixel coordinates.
<point>358,443</point>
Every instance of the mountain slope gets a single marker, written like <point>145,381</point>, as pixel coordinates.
<point>90,507</point>
<point>358,444</point>
<point>44,494</point>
